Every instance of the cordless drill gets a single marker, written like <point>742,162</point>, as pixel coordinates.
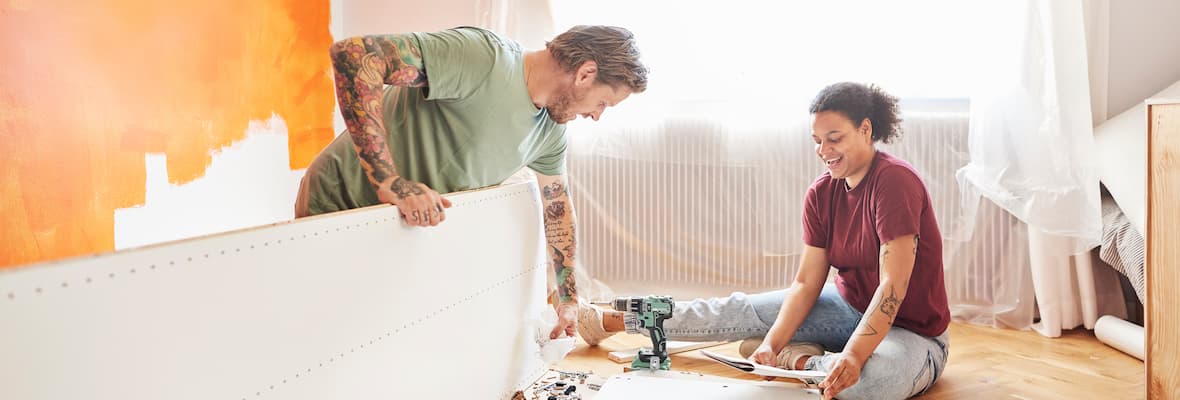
<point>650,311</point>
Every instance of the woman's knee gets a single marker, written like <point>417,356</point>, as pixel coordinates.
<point>897,370</point>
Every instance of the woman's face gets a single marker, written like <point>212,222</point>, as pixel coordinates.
<point>846,148</point>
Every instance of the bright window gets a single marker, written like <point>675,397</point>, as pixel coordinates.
<point>768,51</point>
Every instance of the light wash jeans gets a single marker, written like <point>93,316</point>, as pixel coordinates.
<point>904,365</point>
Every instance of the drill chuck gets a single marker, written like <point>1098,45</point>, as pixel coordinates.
<point>628,304</point>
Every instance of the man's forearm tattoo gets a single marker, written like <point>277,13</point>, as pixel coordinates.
<point>404,188</point>
<point>553,191</point>
<point>560,235</point>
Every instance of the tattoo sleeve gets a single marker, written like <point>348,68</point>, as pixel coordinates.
<point>553,191</point>
<point>560,235</point>
<point>403,188</point>
<point>363,66</point>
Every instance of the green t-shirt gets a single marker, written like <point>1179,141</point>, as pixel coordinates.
<point>473,126</point>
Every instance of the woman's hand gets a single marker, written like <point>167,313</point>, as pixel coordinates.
<point>765,355</point>
<point>845,373</point>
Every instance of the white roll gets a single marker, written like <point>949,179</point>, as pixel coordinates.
<point>1122,335</point>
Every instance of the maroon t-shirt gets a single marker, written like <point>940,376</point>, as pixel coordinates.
<point>851,225</point>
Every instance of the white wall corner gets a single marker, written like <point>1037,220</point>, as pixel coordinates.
<point>1097,20</point>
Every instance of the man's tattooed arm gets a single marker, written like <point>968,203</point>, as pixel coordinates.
<point>363,66</point>
<point>560,233</point>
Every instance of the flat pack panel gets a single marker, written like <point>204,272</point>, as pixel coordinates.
<point>672,385</point>
<point>352,305</point>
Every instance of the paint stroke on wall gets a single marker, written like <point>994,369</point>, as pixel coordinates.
<point>255,169</point>
<point>88,88</point>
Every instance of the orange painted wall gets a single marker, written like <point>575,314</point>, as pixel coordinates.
<point>87,87</point>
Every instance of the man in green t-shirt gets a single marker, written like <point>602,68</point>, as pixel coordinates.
<point>431,113</point>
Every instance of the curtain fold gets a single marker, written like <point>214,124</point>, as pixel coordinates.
<point>1032,150</point>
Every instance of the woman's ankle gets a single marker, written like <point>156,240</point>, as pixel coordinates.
<point>801,363</point>
<point>612,321</point>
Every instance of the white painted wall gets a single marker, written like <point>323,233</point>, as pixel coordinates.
<point>529,22</point>
<point>247,185</point>
<point>366,17</point>
<point>1144,50</point>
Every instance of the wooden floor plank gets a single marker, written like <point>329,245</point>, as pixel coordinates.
<point>985,363</point>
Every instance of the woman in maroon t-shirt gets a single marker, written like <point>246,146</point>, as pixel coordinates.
<point>870,217</point>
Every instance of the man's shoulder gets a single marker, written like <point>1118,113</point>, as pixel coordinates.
<point>461,61</point>
<point>481,35</point>
<point>472,48</point>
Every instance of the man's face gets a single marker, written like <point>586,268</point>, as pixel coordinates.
<point>586,99</point>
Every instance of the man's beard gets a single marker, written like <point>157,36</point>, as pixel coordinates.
<point>560,110</point>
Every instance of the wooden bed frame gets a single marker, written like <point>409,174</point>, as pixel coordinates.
<point>1163,249</point>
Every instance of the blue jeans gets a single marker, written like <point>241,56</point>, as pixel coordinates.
<point>904,365</point>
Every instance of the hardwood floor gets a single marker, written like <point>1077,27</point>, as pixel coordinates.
<point>985,363</point>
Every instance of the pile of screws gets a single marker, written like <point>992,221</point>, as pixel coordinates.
<point>558,385</point>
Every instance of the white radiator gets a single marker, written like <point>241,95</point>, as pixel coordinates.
<point>692,207</point>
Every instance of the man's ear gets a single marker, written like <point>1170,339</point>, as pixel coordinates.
<point>866,126</point>
<point>586,73</point>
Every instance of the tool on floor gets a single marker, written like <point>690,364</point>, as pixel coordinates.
<point>650,311</point>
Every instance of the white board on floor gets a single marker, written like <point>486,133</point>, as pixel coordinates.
<point>352,305</point>
<point>672,385</point>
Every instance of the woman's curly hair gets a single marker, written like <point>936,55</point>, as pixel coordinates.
<point>858,101</point>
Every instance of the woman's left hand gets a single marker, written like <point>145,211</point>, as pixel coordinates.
<point>845,373</point>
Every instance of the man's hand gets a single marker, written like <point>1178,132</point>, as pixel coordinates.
<point>567,319</point>
<point>418,204</point>
<point>845,373</point>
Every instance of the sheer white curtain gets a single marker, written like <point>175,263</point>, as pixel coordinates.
<point>1032,148</point>
<point>1031,136</point>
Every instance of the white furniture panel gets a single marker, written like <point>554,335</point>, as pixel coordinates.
<point>353,305</point>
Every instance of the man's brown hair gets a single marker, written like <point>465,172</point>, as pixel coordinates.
<point>612,48</point>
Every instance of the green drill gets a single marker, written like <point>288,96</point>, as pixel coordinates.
<point>650,311</point>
